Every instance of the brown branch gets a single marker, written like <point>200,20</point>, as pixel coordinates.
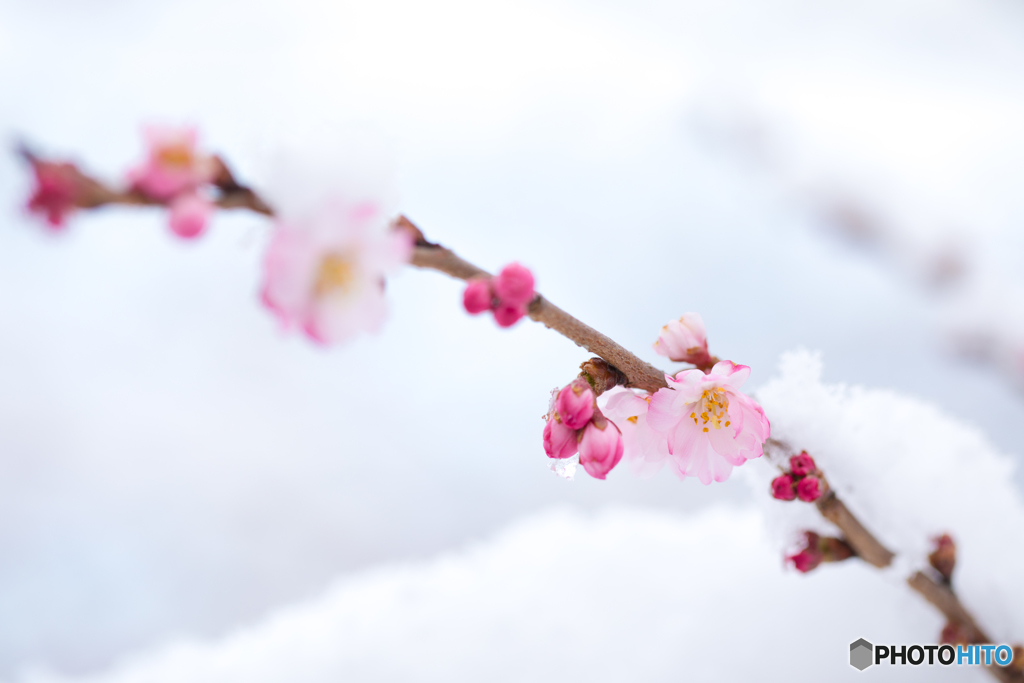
<point>947,602</point>
<point>868,547</point>
<point>640,374</point>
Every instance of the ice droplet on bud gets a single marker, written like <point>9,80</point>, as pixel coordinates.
<point>565,467</point>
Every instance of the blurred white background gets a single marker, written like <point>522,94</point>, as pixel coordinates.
<point>172,465</point>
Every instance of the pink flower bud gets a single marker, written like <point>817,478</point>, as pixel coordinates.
<point>805,560</point>
<point>514,285</point>
<point>575,404</point>
<point>684,340</point>
<point>478,296</point>
<point>810,556</point>
<point>808,489</point>
<point>56,191</point>
<point>507,316</point>
<point>943,558</point>
<point>782,488</point>
<point>600,448</point>
<point>559,440</point>
<point>802,464</point>
<point>189,215</point>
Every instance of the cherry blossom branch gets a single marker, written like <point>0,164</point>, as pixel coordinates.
<point>946,601</point>
<point>91,193</point>
<point>870,549</point>
<point>639,374</point>
<point>577,424</point>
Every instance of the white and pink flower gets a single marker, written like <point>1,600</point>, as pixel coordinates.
<point>701,424</point>
<point>710,426</point>
<point>325,273</point>
<point>684,341</point>
<point>174,165</point>
<point>645,450</point>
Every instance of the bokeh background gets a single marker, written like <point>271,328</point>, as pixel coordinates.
<point>842,177</point>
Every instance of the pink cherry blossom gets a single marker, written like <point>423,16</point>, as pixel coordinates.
<point>559,440</point>
<point>600,447</point>
<point>56,191</point>
<point>173,163</point>
<point>684,340</point>
<point>782,488</point>
<point>478,296</point>
<point>514,285</point>
<point>190,214</point>
<point>802,464</point>
<point>709,425</point>
<point>575,404</point>
<point>808,489</point>
<point>644,449</point>
<point>325,273</point>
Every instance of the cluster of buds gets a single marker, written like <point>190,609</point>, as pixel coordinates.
<point>803,480</point>
<point>943,558</point>
<point>815,549</point>
<point>506,295</point>
<point>576,424</point>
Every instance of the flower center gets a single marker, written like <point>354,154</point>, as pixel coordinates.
<point>712,409</point>
<point>336,272</point>
<point>175,155</point>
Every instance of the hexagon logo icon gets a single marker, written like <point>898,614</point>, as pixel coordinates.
<point>861,654</point>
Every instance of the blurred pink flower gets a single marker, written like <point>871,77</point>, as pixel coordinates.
<point>808,489</point>
<point>56,191</point>
<point>575,404</point>
<point>173,165</point>
<point>326,274</point>
<point>600,447</point>
<point>802,464</point>
<point>189,215</point>
<point>514,285</point>
<point>710,426</point>
<point>645,449</point>
<point>559,440</point>
<point>684,340</point>
<point>782,488</point>
<point>478,296</point>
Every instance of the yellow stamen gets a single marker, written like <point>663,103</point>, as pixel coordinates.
<point>175,155</point>
<point>336,272</point>
<point>633,418</point>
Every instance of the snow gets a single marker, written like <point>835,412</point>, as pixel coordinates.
<point>173,468</point>
<point>629,594</point>
<point>618,595</point>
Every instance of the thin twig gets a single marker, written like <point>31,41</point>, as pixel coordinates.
<point>947,602</point>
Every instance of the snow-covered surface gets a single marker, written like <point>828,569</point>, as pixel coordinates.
<point>172,468</point>
<point>626,594</point>
<point>623,595</point>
